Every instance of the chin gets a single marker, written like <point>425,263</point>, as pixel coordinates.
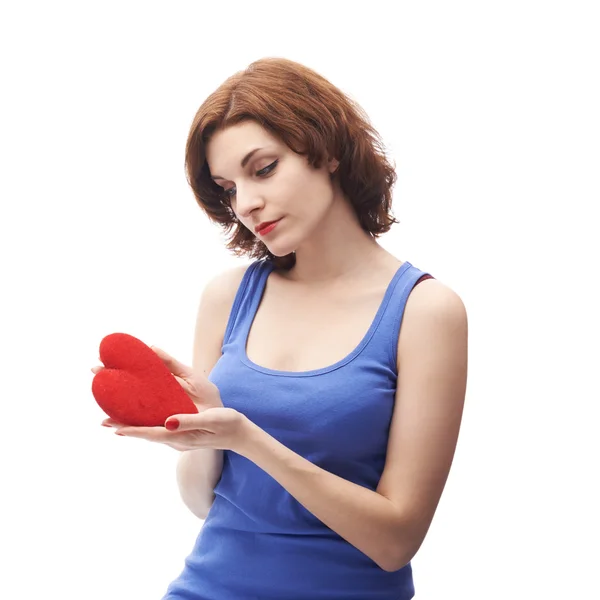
<point>280,250</point>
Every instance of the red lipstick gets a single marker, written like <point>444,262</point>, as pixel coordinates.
<point>263,229</point>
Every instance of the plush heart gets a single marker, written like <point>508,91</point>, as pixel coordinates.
<point>136,387</point>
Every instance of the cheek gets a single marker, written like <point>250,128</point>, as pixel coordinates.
<point>306,195</point>
<point>303,184</point>
<point>318,197</point>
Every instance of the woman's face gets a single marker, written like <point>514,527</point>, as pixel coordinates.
<point>266,181</point>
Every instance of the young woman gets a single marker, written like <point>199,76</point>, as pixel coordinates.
<point>329,375</point>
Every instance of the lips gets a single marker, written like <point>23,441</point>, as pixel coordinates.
<point>265,225</point>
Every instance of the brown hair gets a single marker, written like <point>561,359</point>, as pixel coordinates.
<point>313,118</point>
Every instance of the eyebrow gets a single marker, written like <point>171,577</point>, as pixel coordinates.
<point>242,164</point>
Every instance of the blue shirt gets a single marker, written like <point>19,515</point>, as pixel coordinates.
<point>258,542</point>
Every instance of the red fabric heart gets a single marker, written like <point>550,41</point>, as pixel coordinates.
<point>136,387</point>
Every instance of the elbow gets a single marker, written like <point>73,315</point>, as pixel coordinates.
<point>406,537</point>
<point>395,561</point>
<point>199,509</point>
<point>398,558</point>
<point>389,559</point>
<point>398,554</point>
<point>201,514</point>
<point>393,566</point>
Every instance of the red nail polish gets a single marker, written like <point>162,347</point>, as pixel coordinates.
<point>172,424</point>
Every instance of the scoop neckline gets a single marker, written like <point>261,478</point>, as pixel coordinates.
<point>262,284</point>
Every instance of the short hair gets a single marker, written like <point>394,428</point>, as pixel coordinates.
<point>313,118</point>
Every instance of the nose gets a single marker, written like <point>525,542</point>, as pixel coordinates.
<point>246,202</point>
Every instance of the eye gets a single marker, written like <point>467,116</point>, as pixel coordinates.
<point>267,169</point>
<point>262,173</point>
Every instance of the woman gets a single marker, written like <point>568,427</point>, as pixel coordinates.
<point>325,431</point>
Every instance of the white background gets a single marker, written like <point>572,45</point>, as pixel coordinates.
<point>491,112</point>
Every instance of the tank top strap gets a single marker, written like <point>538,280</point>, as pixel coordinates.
<point>246,301</point>
<point>383,346</point>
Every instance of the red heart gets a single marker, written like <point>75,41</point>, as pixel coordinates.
<point>136,387</point>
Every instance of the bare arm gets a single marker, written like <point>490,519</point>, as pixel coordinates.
<point>198,471</point>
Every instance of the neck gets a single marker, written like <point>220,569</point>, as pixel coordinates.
<point>337,251</point>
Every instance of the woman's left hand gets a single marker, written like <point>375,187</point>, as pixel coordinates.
<point>217,428</point>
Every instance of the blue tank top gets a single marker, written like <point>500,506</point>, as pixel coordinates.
<point>258,542</point>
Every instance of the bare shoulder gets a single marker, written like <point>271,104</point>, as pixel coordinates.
<point>222,288</point>
<point>215,307</point>
<point>219,293</point>
<point>434,307</point>
<point>432,294</point>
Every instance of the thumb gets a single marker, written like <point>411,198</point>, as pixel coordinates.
<point>176,367</point>
<point>186,421</point>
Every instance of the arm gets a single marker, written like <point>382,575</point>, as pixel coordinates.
<point>362,517</point>
<point>198,471</point>
<point>389,524</point>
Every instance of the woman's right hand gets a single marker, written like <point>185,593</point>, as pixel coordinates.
<point>203,393</point>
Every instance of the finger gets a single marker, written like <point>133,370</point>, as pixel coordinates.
<point>96,369</point>
<point>187,422</point>
<point>183,383</point>
<point>112,423</point>
<point>176,367</point>
<point>152,434</point>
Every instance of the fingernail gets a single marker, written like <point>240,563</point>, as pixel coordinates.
<point>172,424</point>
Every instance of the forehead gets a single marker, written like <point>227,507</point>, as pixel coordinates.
<point>226,148</point>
